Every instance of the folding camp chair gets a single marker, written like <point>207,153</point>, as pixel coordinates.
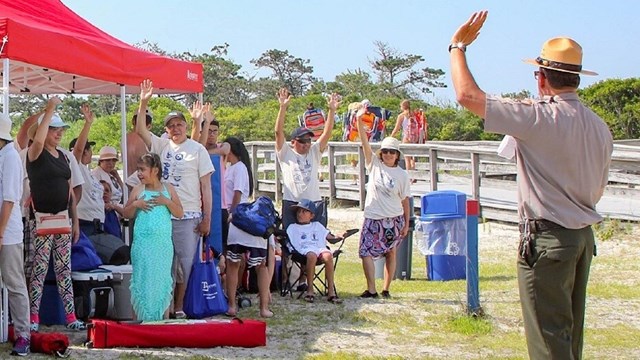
<point>292,260</point>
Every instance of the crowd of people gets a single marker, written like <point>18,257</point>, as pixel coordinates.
<point>563,151</point>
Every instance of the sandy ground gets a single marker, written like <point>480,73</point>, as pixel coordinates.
<point>497,243</point>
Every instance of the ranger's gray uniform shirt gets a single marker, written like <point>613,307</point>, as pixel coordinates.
<point>563,155</point>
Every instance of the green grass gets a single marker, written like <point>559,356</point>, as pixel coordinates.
<point>428,319</point>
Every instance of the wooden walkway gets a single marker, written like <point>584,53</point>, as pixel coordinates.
<point>469,167</point>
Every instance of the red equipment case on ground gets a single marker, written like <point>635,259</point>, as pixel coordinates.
<point>178,333</point>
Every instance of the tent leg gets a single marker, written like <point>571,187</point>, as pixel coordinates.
<point>123,146</point>
<point>5,86</point>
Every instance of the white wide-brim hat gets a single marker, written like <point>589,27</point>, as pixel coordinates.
<point>5,127</point>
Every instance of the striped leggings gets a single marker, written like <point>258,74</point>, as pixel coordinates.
<point>58,246</point>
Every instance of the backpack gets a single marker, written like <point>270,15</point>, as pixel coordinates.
<point>411,131</point>
<point>374,122</point>
<point>83,255</point>
<point>422,125</point>
<point>313,120</point>
<point>257,218</point>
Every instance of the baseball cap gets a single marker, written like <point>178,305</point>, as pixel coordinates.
<point>73,142</point>
<point>173,115</point>
<point>300,132</point>
<point>56,121</point>
<point>305,204</point>
<point>148,117</point>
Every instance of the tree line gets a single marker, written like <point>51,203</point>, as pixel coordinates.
<point>246,106</point>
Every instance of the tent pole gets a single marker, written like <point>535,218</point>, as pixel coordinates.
<point>123,146</point>
<point>5,86</point>
<point>123,138</point>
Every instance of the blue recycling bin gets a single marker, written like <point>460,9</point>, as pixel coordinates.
<point>444,226</point>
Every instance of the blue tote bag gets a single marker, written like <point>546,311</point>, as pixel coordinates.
<point>204,296</point>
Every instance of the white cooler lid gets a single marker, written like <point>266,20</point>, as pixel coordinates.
<point>118,269</point>
<point>96,275</point>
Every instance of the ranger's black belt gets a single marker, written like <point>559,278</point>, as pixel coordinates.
<point>539,225</point>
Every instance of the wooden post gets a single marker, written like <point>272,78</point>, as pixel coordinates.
<point>278,194</point>
<point>332,175</point>
<point>433,168</point>
<point>361,177</point>
<point>254,166</point>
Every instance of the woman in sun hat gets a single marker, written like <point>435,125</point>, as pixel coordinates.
<point>49,174</point>
<point>386,208</point>
<point>108,172</point>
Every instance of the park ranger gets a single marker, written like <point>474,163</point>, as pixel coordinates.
<point>563,151</point>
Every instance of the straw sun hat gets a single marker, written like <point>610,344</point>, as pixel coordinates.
<point>561,54</point>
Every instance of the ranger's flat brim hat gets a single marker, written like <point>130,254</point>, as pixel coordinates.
<point>561,54</point>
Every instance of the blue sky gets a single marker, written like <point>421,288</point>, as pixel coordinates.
<point>339,35</point>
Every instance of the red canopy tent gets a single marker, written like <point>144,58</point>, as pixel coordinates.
<point>52,50</point>
<point>46,48</point>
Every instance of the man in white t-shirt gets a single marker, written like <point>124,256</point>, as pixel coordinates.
<point>300,161</point>
<point>11,264</point>
<point>187,166</point>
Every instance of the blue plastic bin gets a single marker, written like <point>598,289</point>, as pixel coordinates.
<point>444,206</point>
<point>446,267</point>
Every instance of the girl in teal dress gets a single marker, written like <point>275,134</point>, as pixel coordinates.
<point>152,203</point>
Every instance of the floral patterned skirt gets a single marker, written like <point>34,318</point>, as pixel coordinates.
<point>379,236</point>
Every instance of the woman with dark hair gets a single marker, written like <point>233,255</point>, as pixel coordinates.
<point>239,171</point>
<point>238,186</point>
<point>386,209</point>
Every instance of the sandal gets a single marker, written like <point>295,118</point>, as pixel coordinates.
<point>77,325</point>
<point>309,298</point>
<point>334,299</point>
<point>367,294</point>
<point>180,314</point>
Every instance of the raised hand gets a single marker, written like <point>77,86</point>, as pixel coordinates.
<point>53,102</point>
<point>196,110</point>
<point>284,97</point>
<point>86,112</point>
<point>470,30</point>
<point>206,110</point>
<point>146,89</point>
<point>334,101</point>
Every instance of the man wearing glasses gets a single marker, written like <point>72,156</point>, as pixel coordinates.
<point>300,161</point>
<point>563,152</point>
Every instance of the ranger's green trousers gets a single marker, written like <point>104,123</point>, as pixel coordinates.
<point>552,282</point>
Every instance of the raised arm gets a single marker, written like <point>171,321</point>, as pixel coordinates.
<point>196,116</point>
<point>468,93</point>
<point>364,140</point>
<point>78,148</point>
<point>283,99</point>
<point>333,102</point>
<point>208,117</point>
<point>43,128</point>
<point>22,138</point>
<point>146,91</point>
<point>398,125</point>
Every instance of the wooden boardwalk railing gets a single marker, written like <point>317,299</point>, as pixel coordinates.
<point>472,167</point>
